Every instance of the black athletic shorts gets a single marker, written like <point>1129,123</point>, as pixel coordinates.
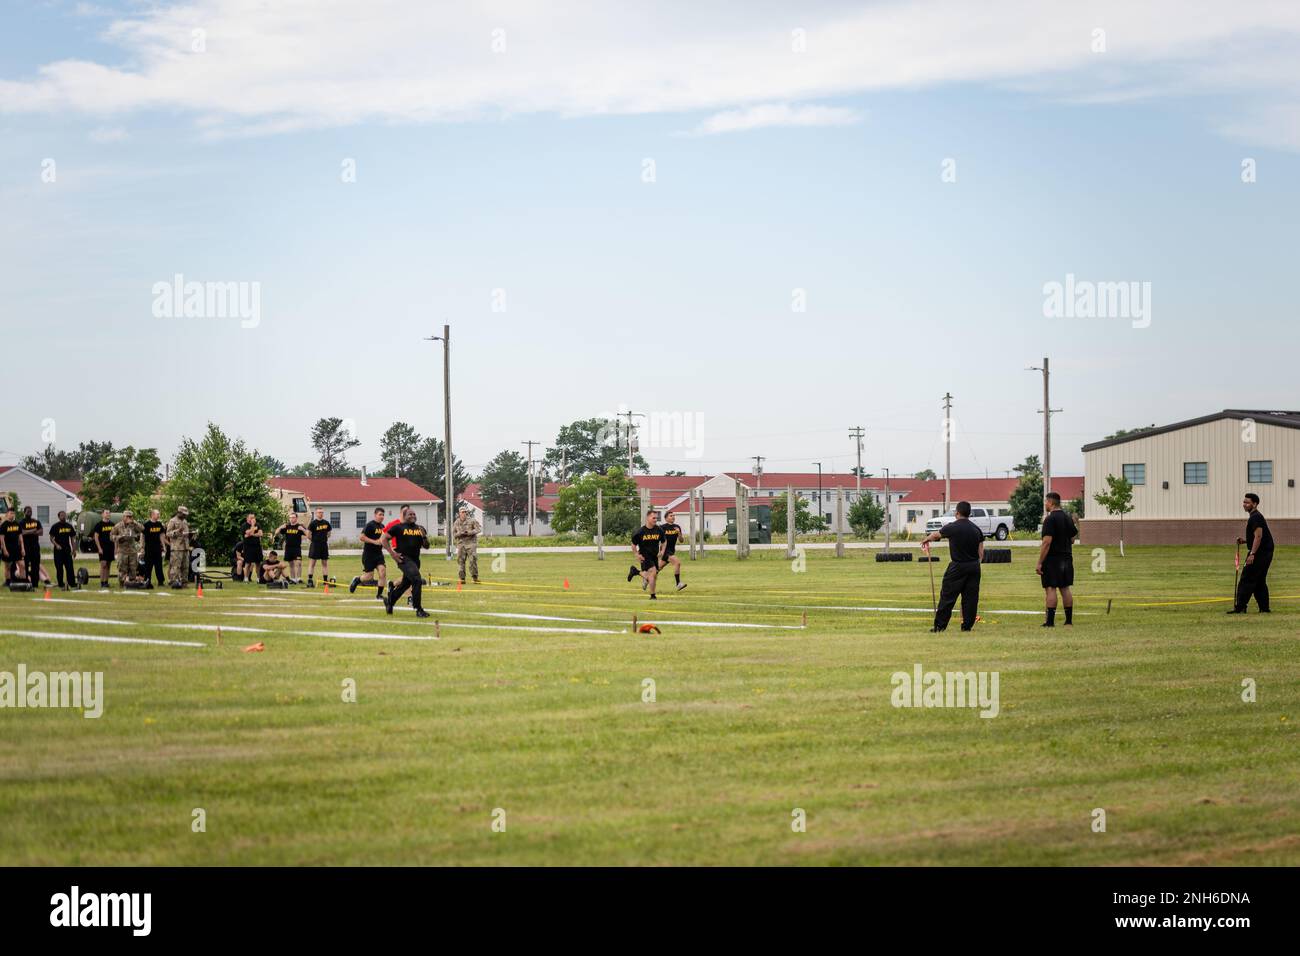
<point>670,552</point>
<point>293,553</point>
<point>110,554</point>
<point>1058,571</point>
<point>649,564</point>
<point>252,551</point>
<point>369,562</point>
<point>319,552</point>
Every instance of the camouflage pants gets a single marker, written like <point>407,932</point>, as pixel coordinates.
<point>128,564</point>
<point>467,551</point>
<point>178,567</point>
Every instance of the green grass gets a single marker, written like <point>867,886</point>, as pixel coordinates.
<point>1138,712</point>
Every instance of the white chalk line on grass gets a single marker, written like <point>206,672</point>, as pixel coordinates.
<point>848,607</point>
<point>363,636</point>
<point>213,628</point>
<point>100,638</point>
<point>86,620</point>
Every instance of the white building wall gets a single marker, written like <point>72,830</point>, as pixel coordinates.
<point>46,499</point>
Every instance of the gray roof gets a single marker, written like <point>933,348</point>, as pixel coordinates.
<point>1263,416</point>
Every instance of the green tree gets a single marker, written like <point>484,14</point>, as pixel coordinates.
<point>1026,501</point>
<point>805,522</point>
<point>428,471</point>
<point>866,517</point>
<point>1117,499</point>
<point>504,488</point>
<point>576,509</point>
<point>308,469</point>
<point>399,448</point>
<point>332,440</point>
<point>54,465</point>
<point>220,480</point>
<point>594,445</point>
<point>1075,507</point>
<point>1032,465</point>
<point>925,474</point>
<point>273,465</point>
<point>122,475</point>
<point>1125,432</point>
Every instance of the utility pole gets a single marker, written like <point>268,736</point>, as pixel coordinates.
<point>450,502</point>
<point>887,522</point>
<point>758,470</point>
<point>857,431</point>
<point>1047,411</point>
<point>630,415</point>
<point>819,491</point>
<point>532,498</point>
<point>947,449</point>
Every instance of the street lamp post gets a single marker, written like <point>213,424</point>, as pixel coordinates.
<point>450,500</point>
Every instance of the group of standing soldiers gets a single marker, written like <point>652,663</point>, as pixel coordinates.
<point>123,542</point>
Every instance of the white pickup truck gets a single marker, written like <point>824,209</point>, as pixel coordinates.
<point>993,526</point>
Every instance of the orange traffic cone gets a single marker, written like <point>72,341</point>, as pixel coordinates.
<point>566,584</point>
<point>199,592</point>
<point>327,588</point>
<point>460,585</point>
<point>47,593</point>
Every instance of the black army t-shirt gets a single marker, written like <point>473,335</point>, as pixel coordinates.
<point>408,539</point>
<point>153,536</point>
<point>293,539</point>
<point>13,534</point>
<point>320,532</point>
<point>1256,520</point>
<point>103,530</point>
<point>373,530</point>
<point>647,541</point>
<point>63,534</point>
<point>672,533</point>
<point>32,533</point>
<point>964,540</point>
<point>1062,530</point>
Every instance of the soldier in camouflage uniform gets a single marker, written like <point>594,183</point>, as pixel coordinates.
<point>126,542</point>
<point>465,531</point>
<point>178,541</point>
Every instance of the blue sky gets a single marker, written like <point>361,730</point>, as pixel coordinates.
<point>671,296</point>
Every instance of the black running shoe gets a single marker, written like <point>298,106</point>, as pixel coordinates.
<point>388,604</point>
<point>632,572</point>
<point>654,597</point>
<point>421,612</point>
<point>352,588</point>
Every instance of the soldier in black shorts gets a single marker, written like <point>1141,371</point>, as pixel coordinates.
<point>63,541</point>
<point>102,532</point>
<point>672,533</point>
<point>252,549</point>
<point>153,531</point>
<point>1055,560</point>
<point>372,556</point>
<point>11,544</point>
<point>293,534</point>
<point>405,542</point>
<point>319,529</point>
<point>32,531</point>
<point>648,545</point>
<point>962,576</point>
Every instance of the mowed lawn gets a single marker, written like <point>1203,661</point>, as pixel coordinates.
<point>541,723</point>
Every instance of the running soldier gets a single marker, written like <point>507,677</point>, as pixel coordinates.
<point>319,530</point>
<point>102,532</point>
<point>1056,560</point>
<point>672,532</point>
<point>293,534</point>
<point>63,541</point>
<point>405,543</point>
<point>178,540</point>
<point>962,577</point>
<point>372,556</point>
<point>647,545</point>
<point>153,531</point>
<point>465,530</point>
<point>126,540</point>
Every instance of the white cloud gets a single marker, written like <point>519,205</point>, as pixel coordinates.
<point>311,63</point>
<point>108,134</point>
<point>777,114</point>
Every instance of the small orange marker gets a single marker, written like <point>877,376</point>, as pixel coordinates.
<point>459,585</point>
<point>259,646</point>
<point>47,593</point>
<point>566,585</point>
<point>199,592</point>
<point>649,629</point>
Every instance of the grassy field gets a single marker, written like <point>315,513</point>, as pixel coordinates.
<point>1138,712</point>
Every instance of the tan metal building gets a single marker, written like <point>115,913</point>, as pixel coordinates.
<point>1189,477</point>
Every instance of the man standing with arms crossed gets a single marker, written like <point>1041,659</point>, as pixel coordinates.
<point>465,531</point>
<point>405,542</point>
<point>319,529</point>
<point>1056,560</point>
<point>126,537</point>
<point>293,534</point>
<point>63,541</point>
<point>32,531</point>
<point>962,577</point>
<point>178,540</point>
<point>102,532</point>
<point>1254,571</point>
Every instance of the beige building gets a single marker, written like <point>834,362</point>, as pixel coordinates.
<point>1188,479</point>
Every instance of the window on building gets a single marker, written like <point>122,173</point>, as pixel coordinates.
<point>1135,474</point>
<point>43,514</point>
<point>361,519</point>
<point>1196,473</point>
<point>1259,472</point>
<point>336,520</point>
<point>911,515</point>
<point>934,512</point>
